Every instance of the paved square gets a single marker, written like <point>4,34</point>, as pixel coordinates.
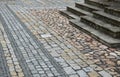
<point>36,41</point>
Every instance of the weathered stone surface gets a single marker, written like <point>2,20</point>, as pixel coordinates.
<point>118,62</point>
<point>105,74</point>
<point>82,73</point>
<point>44,44</point>
<point>93,74</point>
<point>69,70</point>
<point>113,54</point>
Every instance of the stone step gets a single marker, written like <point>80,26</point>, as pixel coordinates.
<point>109,29</point>
<point>113,10</point>
<point>69,15</point>
<point>105,39</point>
<point>114,20</point>
<point>77,11</point>
<point>87,7</point>
<point>98,3</point>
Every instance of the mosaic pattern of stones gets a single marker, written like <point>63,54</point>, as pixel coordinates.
<point>36,41</point>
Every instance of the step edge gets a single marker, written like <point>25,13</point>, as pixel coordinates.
<point>89,6</point>
<point>113,29</point>
<point>72,16</point>
<point>106,15</point>
<point>80,10</point>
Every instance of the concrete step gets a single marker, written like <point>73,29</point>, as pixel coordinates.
<point>87,7</point>
<point>105,39</point>
<point>114,20</point>
<point>99,3</point>
<point>69,15</point>
<point>109,29</point>
<point>113,10</point>
<point>77,11</point>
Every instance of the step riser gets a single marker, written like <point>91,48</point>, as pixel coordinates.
<point>94,36</point>
<point>66,15</point>
<point>78,13</point>
<point>113,12</point>
<point>84,7</point>
<point>97,4</point>
<point>106,19</point>
<point>102,29</point>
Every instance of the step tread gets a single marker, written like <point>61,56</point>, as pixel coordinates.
<point>107,15</point>
<point>101,2</point>
<point>89,6</point>
<point>70,14</point>
<point>80,10</point>
<point>102,24</point>
<point>115,8</point>
<point>96,33</point>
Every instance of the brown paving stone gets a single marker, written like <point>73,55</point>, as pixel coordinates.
<point>93,74</point>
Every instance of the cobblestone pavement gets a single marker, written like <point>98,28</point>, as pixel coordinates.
<point>36,41</point>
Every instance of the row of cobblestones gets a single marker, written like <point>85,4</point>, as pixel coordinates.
<point>12,61</point>
<point>74,63</point>
<point>3,63</point>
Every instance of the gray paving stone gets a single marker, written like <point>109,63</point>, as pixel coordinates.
<point>54,54</point>
<point>104,74</point>
<point>88,69</point>
<point>46,35</point>
<point>41,72</point>
<point>82,73</point>
<point>49,73</point>
<point>74,75</point>
<point>69,70</point>
<point>75,66</point>
<point>43,75</point>
<point>55,72</point>
<point>34,72</point>
<point>36,75</point>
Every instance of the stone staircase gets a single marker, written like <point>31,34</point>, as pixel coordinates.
<point>98,18</point>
